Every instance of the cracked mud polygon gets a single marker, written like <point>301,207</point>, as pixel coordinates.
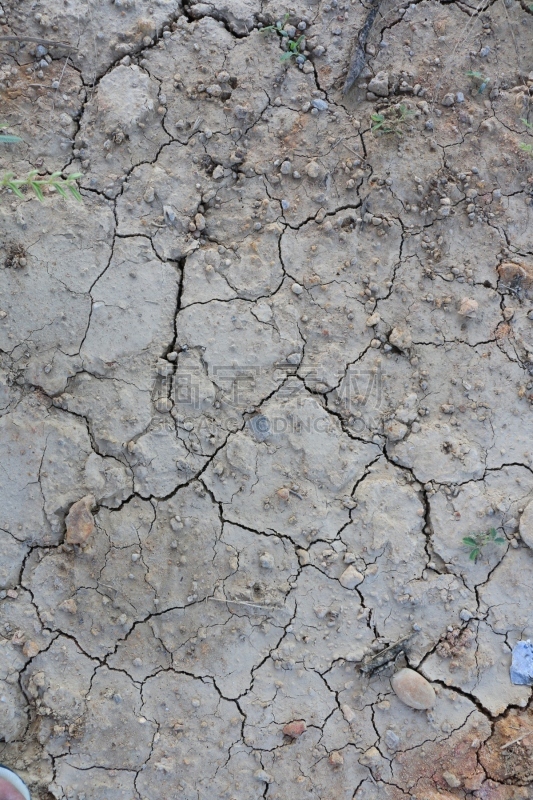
<point>255,391</point>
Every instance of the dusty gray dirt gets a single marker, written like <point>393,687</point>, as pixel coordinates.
<point>273,368</point>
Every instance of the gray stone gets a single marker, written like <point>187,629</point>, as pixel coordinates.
<point>379,84</point>
<point>522,664</point>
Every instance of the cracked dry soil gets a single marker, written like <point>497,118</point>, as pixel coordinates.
<point>287,364</point>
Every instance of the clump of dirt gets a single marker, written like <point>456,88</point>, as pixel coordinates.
<point>15,256</point>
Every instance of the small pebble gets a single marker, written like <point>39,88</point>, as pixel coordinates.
<point>262,776</point>
<point>30,649</point>
<point>413,689</point>
<point>379,85</point>
<point>373,320</point>
<point>80,522</point>
<point>392,741</point>
<point>468,307</point>
<point>526,524</point>
<point>266,561</point>
<point>522,664</point>
<point>294,729</point>
<point>149,195</point>
<point>350,578</point>
<point>451,779</point>
<point>347,712</point>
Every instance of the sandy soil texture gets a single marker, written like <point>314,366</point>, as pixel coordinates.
<point>256,389</point>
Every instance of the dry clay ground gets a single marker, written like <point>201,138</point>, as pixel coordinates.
<point>291,360</point>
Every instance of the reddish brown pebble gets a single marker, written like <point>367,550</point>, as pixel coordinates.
<point>518,274</point>
<point>295,729</point>
<point>30,649</point>
<point>336,759</point>
<point>80,522</point>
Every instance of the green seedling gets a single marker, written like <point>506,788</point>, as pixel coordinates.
<point>293,49</point>
<point>278,27</point>
<point>477,541</point>
<point>481,80</point>
<point>63,186</point>
<point>390,122</point>
<point>293,46</point>
<point>7,138</point>
<point>527,148</point>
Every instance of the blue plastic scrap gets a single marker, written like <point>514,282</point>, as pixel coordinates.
<point>522,664</point>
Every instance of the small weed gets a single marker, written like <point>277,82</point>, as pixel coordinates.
<point>293,47</point>
<point>527,148</point>
<point>477,541</point>
<point>7,138</point>
<point>390,121</point>
<point>482,81</point>
<point>278,27</point>
<point>63,186</point>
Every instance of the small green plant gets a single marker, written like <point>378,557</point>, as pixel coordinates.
<point>36,182</point>
<point>391,121</point>
<point>482,81</point>
<point>7,138</point>
<point>293,46</point>
<point>477,541</point>
<point>527,148</point>
<point>293,50</point>
<point>278,27</point>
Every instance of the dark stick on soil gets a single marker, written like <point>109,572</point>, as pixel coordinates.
<point>371,663</point>
<point>359,57</point>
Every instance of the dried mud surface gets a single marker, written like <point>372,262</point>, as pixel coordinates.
<point>286,364</point>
